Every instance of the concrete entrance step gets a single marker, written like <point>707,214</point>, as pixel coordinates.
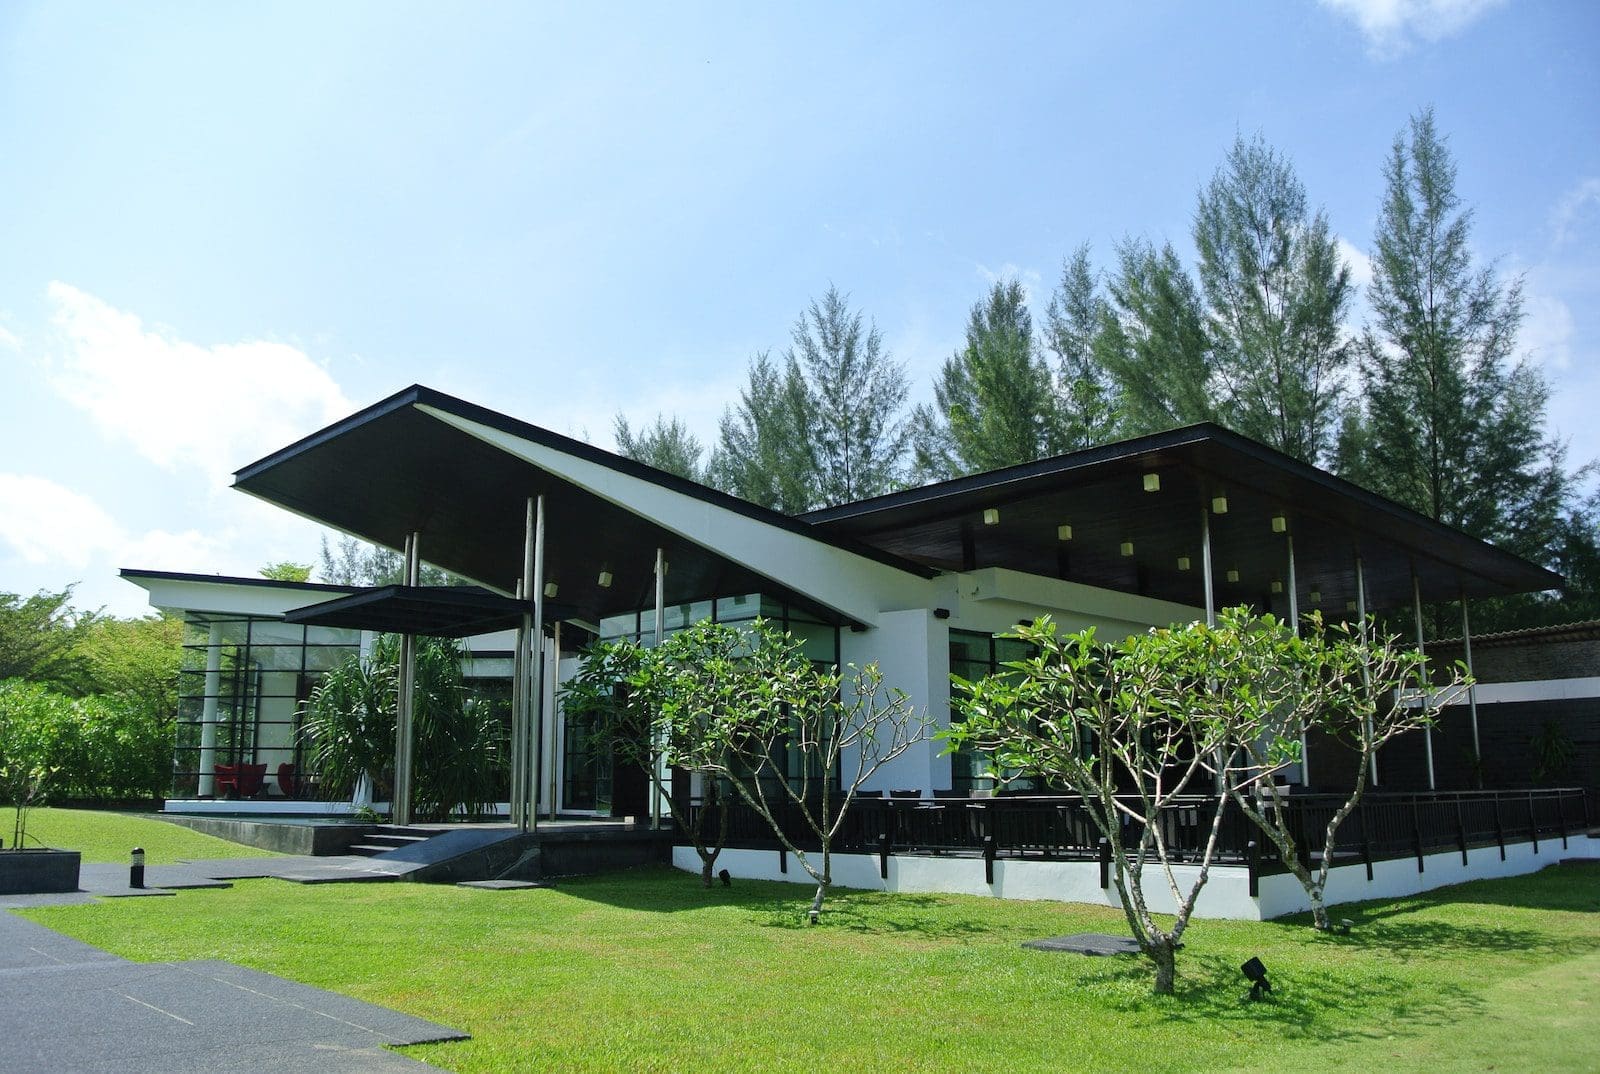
<point>382,840</point>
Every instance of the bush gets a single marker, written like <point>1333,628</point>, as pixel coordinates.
<point>100,748</point>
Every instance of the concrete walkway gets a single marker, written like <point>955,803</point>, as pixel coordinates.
<point>66,1006</point>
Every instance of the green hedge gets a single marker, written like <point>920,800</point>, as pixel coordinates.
<point>103,748</point>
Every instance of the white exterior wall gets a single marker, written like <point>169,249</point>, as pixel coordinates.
<point>1283,894</point>
<point>912,649</point>
<point>1226,895</point>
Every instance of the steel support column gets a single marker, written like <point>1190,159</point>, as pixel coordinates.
<point>400,799</point>
<point>519,710</point>
<point>1361,615</point>
<point>1422,649</point>
<point>535,669</point>
<point>655,742</point>
<point>1294,627</point>
<point>1205,564</point>
<point>1472,692</point>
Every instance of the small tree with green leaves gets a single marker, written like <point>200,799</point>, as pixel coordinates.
<point>640,706</point>
<point>1127,727</point>
<point>1361,689</point>
<point>797,740</point>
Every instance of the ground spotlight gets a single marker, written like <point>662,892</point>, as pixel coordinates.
<point>1256,973</point>
<point>726,878</point>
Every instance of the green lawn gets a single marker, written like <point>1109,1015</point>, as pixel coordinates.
<point>647,971</point>
<point>110,836</point>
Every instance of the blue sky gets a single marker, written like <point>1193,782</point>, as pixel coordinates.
<point>225,225</point>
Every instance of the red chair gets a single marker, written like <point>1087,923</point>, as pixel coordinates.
<point>227,780</point>
<point>288,785</point>
<point>251,779</point>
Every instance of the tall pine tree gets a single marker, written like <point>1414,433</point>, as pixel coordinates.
<point>1153,342</point>
<point>763,449</point>
<point>855,393</point>
<point>1453,425</point>
<point>1085,412</point>
<point>667,444</point>
<point>993,401</point>
<point>1276,293</point>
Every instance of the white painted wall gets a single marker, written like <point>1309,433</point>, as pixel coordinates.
<point>1283,894</point>
<point>912,649</point>
<point>1226,895</point>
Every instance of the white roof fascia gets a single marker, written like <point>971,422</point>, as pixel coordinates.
<point>195,595</point>
<point>1057,595</point>
<point>853,585</point>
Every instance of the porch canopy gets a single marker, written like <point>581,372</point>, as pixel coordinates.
<point>460,477</point>
<point>434,611</point>
<point>1127,516</point>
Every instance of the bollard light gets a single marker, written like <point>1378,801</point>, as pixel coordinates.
<point>136,869</point>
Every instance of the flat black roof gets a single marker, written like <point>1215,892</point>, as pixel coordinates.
<point>436,611</point>
<point>1100,493</point>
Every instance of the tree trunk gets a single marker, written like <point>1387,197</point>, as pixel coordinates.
<point>1165,958</point>
<point>1319,911</point>
<point>816,903</point>
<point>705,870</point>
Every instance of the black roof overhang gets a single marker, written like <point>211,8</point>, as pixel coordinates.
<point>435,611</point>
<point>1100,494</point>
<point>393,469</point>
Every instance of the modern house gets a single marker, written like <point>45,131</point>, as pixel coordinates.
<point>568,542</point>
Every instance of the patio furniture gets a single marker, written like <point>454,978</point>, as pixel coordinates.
<point>227,780</point>
<point>250,779</point>
<point>288,782</point>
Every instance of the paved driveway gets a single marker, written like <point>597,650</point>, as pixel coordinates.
<point>67,1006</point>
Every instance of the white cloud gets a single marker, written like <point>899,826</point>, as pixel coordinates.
<point>1030,279</point>
<point>1572,208</point>
<point>8,340</point>
<point>47,523</point>
<point>1360,264</point>
<point>1391,27</point>
<point>1548,329</point>
<point>180,404</point>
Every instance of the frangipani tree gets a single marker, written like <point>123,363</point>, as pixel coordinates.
<point>798,740</point>
<point>1125,726</point>
<point>1359,688</point>
<point>649,704</point>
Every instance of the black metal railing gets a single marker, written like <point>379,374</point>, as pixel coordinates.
<point>1385,826</point>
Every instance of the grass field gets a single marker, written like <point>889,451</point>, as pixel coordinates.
<point>647,971</point>
<point>110,836</point>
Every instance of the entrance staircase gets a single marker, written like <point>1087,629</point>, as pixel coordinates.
<point>381,839</point>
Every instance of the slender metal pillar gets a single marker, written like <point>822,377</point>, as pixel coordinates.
<point>208,713</point>
<point>1427,681</point>
<point>1205,564</point>
<point>519,711</point>
<point>655,741</point>
<point>400,803</point>
<point>1361,615</point>
<point>1294,627</point>
<point>535,669</point>
<point>1472,692</point>
<point>552,755</point>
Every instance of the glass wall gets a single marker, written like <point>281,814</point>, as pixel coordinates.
<point>240,688</point>
<point>975,656</point>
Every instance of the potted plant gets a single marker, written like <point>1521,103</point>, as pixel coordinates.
<point>23,777</point>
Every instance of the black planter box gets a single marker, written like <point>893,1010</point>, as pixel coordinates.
<point>31,872</point>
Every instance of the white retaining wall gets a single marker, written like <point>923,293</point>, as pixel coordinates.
<point>1226,894</point>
